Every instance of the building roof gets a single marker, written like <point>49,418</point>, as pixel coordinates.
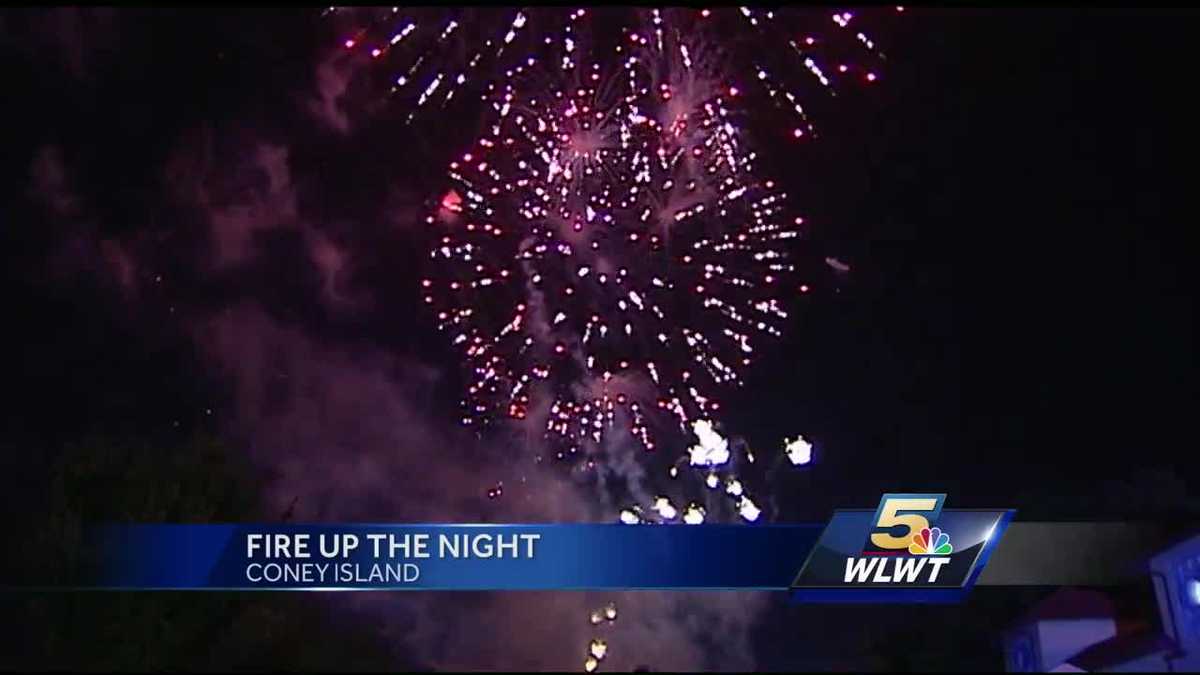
<point>1121,649</point>
<point>1071,603</point>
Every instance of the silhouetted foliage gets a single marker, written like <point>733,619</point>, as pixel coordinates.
<point>198,481</point>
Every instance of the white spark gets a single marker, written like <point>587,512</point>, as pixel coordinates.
<point>799,451</point>
<point>747,509</point>
<point>712,450</point>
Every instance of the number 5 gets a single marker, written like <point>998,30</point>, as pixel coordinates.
<point>889,516</point>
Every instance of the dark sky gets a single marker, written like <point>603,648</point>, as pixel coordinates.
<point>1018,215</point>
<point>1014,199</point>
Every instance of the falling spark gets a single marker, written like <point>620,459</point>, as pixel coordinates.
<point>712,450</point>
<point>837,265</point>
<point>799,451</point>
<point>598,649</point>
<point>748,510</point>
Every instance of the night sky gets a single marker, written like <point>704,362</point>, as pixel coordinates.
<point>209,231</point>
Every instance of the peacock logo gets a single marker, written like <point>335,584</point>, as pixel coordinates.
<point>931,541</point>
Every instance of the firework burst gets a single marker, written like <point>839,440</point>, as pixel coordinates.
<point>608,251</point>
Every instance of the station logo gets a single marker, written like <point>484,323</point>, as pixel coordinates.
<point>908,549</point>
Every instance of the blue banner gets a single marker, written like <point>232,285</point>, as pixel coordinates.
<point>908,549</point>
<point>448,557</point>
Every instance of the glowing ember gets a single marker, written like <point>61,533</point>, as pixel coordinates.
<point>693,515</point>
<point>598,649</point>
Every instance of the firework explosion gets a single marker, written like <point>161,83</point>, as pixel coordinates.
<point>611,254</point>
<point>614,248</point>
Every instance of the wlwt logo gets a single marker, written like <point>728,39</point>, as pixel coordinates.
<point>884,559</point>
<point>901,551</point>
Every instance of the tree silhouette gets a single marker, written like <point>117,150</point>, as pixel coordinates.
<point>197,481</point>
